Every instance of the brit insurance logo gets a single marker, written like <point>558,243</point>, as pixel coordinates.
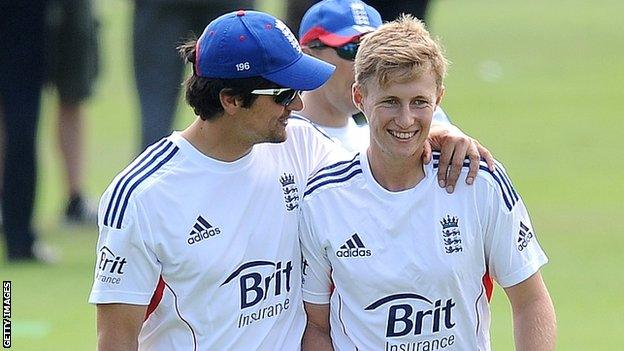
<point>291,193</point>
<point>304,270</point>
<point>257,282</point>
<point>353,247</point>
<point>110,267</point>
<point>202,230</point>
<point>524,236</point>
<point>410,315</point>
<point>451,236</point>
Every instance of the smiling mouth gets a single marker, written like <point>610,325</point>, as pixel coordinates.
<point>402,135</point>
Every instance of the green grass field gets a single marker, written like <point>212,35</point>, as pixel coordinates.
<point>541,83</point>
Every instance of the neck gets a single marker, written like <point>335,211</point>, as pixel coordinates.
<point>217,140</point>
<point>395,174</point>
<point>320,111</point>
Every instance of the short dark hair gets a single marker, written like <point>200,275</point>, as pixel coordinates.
<point>202,93</point>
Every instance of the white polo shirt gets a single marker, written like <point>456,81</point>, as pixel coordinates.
<point>211,247</point>
<point>411,270</point>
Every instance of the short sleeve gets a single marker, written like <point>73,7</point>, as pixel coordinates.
<point>126,268</point>
<point>512,251</point>
<point>316,268</point>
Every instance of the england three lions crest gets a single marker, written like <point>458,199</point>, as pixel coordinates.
<point>451,237</point>
<point>291,193</point>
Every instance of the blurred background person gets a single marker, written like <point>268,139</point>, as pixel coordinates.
<point>72,63</point>
<point>21,80</point>
<point>71,59</point>
<point>159,27</point>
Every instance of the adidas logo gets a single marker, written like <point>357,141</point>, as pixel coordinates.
<point>202,230</point>
<point>354,247</point>
<point>524,236</point>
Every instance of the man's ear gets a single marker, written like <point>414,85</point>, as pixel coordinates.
<point>230,102</point>
<point>356,92</point>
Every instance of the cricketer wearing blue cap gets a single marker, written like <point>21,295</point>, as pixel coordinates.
<point>198,245</point>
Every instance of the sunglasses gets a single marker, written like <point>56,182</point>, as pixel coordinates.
<point>346,51</point>
<point>281,96</point>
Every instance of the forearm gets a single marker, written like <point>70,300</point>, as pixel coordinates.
<point>316,339</point>
<point>535,326</point>
<point>118,326</point>
<point>316,336</point>
<point>113,343</point>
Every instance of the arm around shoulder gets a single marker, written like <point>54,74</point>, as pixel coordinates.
<point>316,336</point>
<point>118,326</point>
<point>535,325</point>
<point>455,147</point>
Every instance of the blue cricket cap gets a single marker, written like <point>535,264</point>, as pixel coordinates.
<point>244,44</point>
<point>337,22</point>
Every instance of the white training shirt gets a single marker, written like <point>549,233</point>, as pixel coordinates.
<point>354,137</point>
<point>210,246</point>
<point>411,270</point>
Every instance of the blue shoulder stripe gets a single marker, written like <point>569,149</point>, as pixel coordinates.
<point>114,217</point>
<point>353,173</point>
<point>436,157</point>
<point>123,178</point>
<point>319,174</point>
<point>334,173</point>
<point>509,201</point>
<point>506,180</point>
<point>510,196</point>
<point>127,198</point>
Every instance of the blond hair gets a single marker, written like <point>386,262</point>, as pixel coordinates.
<point>399,51</point>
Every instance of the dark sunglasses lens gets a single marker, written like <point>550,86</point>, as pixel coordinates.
<point>286,97</point>
<point>348,51</point>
